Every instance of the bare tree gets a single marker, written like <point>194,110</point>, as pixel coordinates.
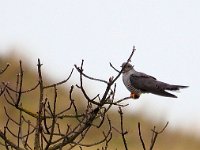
<point>46,129</point>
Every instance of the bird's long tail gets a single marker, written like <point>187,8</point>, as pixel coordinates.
<point>175,87</point>
<point>166,94</point>
<point>169,87</point>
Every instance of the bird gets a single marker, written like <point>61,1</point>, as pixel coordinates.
<point>138,83</point>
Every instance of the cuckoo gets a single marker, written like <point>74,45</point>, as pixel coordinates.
<point>138,83</point>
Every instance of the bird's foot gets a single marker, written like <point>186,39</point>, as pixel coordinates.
<point>134,96</point>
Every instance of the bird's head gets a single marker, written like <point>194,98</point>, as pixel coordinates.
<point>126,67</point>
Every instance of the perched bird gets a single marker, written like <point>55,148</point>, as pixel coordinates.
<point>138,83</point>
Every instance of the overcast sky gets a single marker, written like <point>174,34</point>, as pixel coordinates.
<point>61,33</point>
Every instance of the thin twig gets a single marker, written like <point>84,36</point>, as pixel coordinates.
<point>141,138</point>
<point>123,133</point>
<point>114,67</point>
<point>8,142</point>
<point>24,91</point>
<point>61,82</point>
<point>4,69</point>
<point>20,84</point>
<point>155,135</point>
<point>53,120</point>
<point>80,70</point>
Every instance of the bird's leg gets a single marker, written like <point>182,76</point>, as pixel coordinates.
<point>134,96</point>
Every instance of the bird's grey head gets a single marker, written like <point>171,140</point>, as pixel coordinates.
<point>126,67</point>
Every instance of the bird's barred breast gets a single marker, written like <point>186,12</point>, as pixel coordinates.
<point>130,87</point>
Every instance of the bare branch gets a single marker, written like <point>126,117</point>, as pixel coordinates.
<point>128,60</point>
<point>4,69</point>
<point>53,120</point>
<point>60,83</point>
<point>8,142</point>
<point>155,135</point>
<point>114,67</point>
<point>123,133</point>
<point>39,120</point>
<point>3,89</point>
<point>19,85</point>
<point>25,91</point>
<point>80,70</point>
<point>47,129</point>
<point>141,138</point>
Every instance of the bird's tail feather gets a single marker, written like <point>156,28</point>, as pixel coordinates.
<point>166,94</point>
<point>170,88</point>
<point>175,87</point>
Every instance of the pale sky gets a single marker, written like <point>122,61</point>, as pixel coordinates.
<point>166,35</point>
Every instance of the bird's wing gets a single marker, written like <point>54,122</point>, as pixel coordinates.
<point>142,82</point>
<point>149,84</point>
<point>141,74</point>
